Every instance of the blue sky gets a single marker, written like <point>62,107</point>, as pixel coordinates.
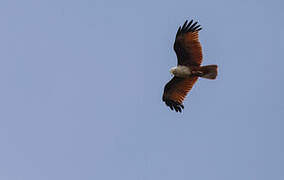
<point>82,81</point>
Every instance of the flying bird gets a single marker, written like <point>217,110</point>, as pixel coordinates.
<point>188,70</point>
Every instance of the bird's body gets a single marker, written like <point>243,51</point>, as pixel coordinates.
<point>181,71</point>
<point>189,54</point>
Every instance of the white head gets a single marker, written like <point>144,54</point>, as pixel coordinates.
<point>173,70</point>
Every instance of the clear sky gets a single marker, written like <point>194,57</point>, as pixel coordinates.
<point>82,81</point>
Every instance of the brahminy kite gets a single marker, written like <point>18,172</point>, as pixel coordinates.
<point>189,59</point>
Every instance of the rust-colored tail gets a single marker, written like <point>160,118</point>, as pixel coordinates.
<point>209,72</point>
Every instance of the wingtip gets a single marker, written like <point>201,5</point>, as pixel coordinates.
<point>189,27</point>
<point>174,106</point>
<point>184,25</point>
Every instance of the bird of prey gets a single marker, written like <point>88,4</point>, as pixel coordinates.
<point>189,69</point>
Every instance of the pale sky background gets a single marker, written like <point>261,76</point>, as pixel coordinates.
<point>82,81</point>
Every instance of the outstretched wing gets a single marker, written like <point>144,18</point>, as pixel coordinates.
<point>187,45</point>
<point>176,90</point>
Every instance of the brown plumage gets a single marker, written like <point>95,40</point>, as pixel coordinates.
<point>189,55</point>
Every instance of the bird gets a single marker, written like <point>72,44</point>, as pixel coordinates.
<point>189,58</point>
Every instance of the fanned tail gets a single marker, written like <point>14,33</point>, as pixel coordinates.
<point>209,71</point>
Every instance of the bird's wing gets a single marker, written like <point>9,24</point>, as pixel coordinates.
<point>176,90</point>
<point>187,45</point>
